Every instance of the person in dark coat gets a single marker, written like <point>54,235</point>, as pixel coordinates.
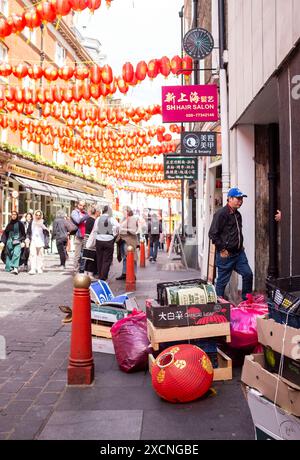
<point>25,257</point>
<point>154,231</point>
<point>60,231</point>
<point>12,244</point>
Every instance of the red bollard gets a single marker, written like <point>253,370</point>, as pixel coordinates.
<point>81,363</point>
<point>130,275</point>
<point>142,254</point>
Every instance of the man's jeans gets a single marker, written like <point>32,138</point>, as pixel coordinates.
<point>226,265</point>
<point>153,249</point>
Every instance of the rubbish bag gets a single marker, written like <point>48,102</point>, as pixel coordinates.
<point>243,321</point>
<point>131,343</point>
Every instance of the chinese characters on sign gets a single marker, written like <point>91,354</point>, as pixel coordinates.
<point>189,103</point>
<point>199,143</point>
<point>178,167</point>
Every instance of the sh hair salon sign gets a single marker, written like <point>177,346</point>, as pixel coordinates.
<point>189,103</point>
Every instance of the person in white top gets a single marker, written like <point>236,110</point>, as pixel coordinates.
<point>36,234</point>
<point>104,232</point>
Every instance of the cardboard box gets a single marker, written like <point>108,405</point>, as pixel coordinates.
<point>187,315</point>
<point>272,334</point>
<point>271,422</point>
<point>256,376</point>
<point>280,339</point>
<point>107,314</point>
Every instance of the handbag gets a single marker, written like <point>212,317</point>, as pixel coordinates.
<point>72,228</point>
<point>91,241</point>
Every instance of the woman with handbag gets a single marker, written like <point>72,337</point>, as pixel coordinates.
<point>12,243</point>
<point>38,235</point>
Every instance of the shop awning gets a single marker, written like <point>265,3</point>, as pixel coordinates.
<point>41,188</point>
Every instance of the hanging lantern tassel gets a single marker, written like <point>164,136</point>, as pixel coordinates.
<point>108,3</point>
<point>58,23</point>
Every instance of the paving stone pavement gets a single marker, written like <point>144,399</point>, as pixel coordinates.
<point>36,403</point>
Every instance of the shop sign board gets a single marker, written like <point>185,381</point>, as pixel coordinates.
<point>202,143</point>
<point>190,103</point>
<point>180,167</point>
<point>24,172</point>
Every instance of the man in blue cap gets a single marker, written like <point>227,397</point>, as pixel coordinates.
<point>226,233</point>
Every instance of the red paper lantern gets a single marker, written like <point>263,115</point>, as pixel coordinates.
<point>63,7</point>
<point>93,5</point>
<point>35,72</point>
<point>127,72</point>
<point>32,19</point>
<point>122,85</point>
<point>81,73</point>
<point>141,70</point>
<point>5,28</point>
<point>182,373</point>
<point>20,71</point>
<point>176,64</point>
<point>5,69</point>
<point>78,5</point>
<point>187,63</point>
<point>165,66</point>
<point>51,73</point>
<point>47,11</point>
<point>17,22</point>
<point>153,68</point>
<point>95,74</point>
<point>107,74</point>
<point>66,72</point>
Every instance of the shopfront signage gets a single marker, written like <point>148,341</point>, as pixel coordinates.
<point>202,143</point>
<point>24,172</point>
<point>58,181</point>
<point>180,167</point>
<point>190,103</point>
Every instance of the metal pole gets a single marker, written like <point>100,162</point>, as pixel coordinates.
<point>223,104</point>
<point>195,24</point>
<point>182,181</point>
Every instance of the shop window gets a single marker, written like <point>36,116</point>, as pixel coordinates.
<point>60,55</point>
<point>4,7</point>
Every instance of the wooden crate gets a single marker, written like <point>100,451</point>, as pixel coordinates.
<point>157,336</point>
<point>101,331</point>
<point>223,372</point>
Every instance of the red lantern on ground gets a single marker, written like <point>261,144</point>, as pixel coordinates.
<point>32,19</point>
<point>47,11</point>
<point>182,373</point>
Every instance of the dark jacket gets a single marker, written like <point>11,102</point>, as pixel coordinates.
<point>154,229</point>
<point>10,227</point>
<point>226,230</point>
<point>60,229</point>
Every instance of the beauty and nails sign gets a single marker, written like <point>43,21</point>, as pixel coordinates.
<point>189,103</point>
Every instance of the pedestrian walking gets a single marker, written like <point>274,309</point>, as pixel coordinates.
<point>104,232</point>
<point>89,255</point>
<point>60,232</point>
<point>154,231</point>
<point>226,233</point>
<point>79,217</point>
<point>12,243</point>
<point>27,219</point>
<point>127,237</point>
<point>38,236</point>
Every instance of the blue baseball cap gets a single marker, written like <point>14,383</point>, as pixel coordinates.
<point>235,193</point>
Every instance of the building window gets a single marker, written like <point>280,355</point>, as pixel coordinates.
<point>60,55</point>
<point>4,7</point>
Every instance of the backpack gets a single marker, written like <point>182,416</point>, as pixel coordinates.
<point>105,226</point>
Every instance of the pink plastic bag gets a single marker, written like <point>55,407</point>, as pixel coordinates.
<point>131,343</point>
<point>243,321</point>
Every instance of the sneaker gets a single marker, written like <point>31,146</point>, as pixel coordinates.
<point>31,272</point>
<point>40,271</point>
<point>15,271</point>
<point>122,277</point>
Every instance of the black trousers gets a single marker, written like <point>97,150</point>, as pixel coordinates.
<point>105,252</point>
<point>61,249</point>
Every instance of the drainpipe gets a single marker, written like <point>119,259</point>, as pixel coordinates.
<point>272,176</point>
<point>224,103</point>
<point>182,181</point>
<point>195,25</point>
